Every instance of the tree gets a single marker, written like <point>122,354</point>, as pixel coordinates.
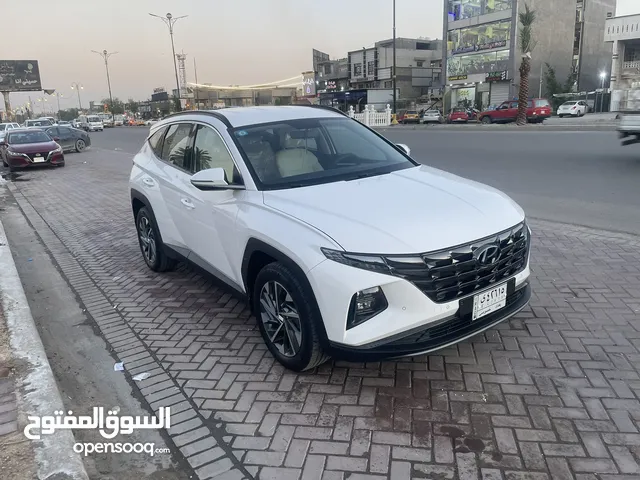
<point>133,106</point>
<point>69,114</point>
<point>117,108</point>
<point>527,44</point>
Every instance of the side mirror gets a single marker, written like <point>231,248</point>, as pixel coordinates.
<point>404,148</point>
<point>56,139</point>
<point>213,179</point>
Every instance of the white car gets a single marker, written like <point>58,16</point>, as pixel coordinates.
<point>341,243</point>
<point>432,116</point>
<point>6,127</point>
<point>574,108</point>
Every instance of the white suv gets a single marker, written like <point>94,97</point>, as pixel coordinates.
<point>342,244</point>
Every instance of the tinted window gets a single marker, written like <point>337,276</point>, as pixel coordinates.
<point>2,127</point>
<point>210,151</point>
<point>542,103</point>
<point>53,131</point>
<point>65,131</point>
<point>513,105</point>
<point>35,136</point>
<point>176,145</point>
<point>341,149</point>
<point>155,142</point>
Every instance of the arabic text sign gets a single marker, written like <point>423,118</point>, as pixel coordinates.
<point>109,425</point>
<point>19,76</point>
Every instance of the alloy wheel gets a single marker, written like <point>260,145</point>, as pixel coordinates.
<point>80,145</point>
<point>147,240</point>
<point>280,318</point>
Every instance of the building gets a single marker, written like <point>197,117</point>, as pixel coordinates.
<point>418,67</point>
<point>623,34</point>
<point>482,56</point>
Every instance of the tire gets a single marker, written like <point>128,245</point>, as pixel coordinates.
<point>486,120</point>
<point>157,261</point>
<point>560,116</point>
<point>309,353</point>
<point>80,145</point>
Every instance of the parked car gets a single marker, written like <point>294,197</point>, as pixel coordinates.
<point>458,115</point>
<point>7,127</point>
<point>28,147</point>
<point>629,128</point>
<point>574,108</point>
<point>38,123</point>
<point>75,123</point>
<point>432,116</point>
<point>538,110</point>
<point>410,116</point>
<point>320,222</point>
<point>91,123</point>
<point>70,139</point>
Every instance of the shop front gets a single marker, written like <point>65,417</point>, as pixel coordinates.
<point>344,99</point>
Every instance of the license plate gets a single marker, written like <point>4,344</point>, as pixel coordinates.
<point>38,159</point>
<point>489,301</point>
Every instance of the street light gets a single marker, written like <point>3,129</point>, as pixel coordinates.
<point>104,54</point>
<point>58,95</point>
<point>77,87</point>
<point>170,21</point>
<point>603,75</point>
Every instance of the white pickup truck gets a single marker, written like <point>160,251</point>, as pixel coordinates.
<point>629,127</point>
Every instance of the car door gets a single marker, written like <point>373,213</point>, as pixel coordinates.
<point>512,112</point>
<point>67,138</point>
<point>54,133</point>
<point>212,214</point>
<point>500,114</point>
<point>172,173</point>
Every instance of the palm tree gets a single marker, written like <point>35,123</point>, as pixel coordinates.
<point>527,44</point>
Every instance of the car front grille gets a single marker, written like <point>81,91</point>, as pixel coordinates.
<point>42,154</point>
<point>455,272</point>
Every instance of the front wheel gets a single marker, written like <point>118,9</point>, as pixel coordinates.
<point>150,243</point>
<point>288,318</point>
<point>80,145</point>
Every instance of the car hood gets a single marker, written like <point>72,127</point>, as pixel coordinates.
<point>409,211</point>
<point>34,147</point>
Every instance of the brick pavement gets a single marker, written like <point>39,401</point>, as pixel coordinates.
<point>8,406</point>
<point>553,394</point>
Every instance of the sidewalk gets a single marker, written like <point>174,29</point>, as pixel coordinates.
<point>27,388</point>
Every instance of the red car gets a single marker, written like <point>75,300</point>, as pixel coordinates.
<point>26,147</point>
<point>538,110</point>
<point>458,115</point>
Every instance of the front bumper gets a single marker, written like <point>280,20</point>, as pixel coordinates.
<point>23,161</point>
<point>409,311</point>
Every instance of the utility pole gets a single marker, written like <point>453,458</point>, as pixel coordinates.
<point>394,57</point>
<point>170,21</point>
<point>195,73</point>
<point>77,87</point>
<point>540,90</point>
<point>104,54</point>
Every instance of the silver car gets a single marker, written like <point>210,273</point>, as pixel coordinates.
<point>432,116</point>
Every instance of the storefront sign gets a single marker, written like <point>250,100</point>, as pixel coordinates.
<point>479,47</point>
<point>457,77</point>
<point>331,85</point>
<point>309,84</point>
<point>496,76</point>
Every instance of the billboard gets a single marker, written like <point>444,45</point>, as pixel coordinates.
<point>19,76</point>
<point>309,84</point>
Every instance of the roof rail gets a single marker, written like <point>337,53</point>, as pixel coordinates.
<point>327,107</point>
<point>211,113</point>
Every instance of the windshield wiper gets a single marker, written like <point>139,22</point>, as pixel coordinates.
<point>365,175</point>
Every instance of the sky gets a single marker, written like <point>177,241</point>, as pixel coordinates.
<point>237,42</point>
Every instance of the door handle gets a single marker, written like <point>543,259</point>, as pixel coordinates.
<point>148,182</point>
<point>187,203</point>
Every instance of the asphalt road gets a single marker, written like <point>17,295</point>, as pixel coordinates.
<point>577,177</point>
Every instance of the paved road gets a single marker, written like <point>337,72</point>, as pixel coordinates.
<point>579,177</point>
<point>553,394</point>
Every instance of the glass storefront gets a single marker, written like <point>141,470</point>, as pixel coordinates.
<point>478,63</point>
<point>459,9</point>
<point>477,38</point>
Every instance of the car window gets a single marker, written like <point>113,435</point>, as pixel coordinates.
<point>530,103</point>
<point>53,131</point>
<point>155,141</point>
<point>279,154</point>
<point>513,105</point>
<point>542,103</point>
<point>64,131</point>
<point>210,151</point>
<point>176,144</point>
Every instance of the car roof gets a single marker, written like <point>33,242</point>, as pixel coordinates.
<point>243,116</point>
<point>29,129</point>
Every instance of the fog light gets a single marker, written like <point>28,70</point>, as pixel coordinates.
<point>365,305</point>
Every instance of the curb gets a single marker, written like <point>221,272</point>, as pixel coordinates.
<point>54,454</point>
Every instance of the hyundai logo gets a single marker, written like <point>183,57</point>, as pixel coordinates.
<point>487,254</point>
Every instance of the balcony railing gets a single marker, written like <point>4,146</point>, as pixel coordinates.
<point>633,65</point>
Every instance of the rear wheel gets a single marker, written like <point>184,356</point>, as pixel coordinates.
<point>150,244</point>
<point>288,318</point>
<point>486,120</point>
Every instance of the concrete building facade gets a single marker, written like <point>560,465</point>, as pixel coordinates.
<point>623,35</point>
<point>482,55</point>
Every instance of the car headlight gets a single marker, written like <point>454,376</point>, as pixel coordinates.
<point>57,150</point>
<point>11,152</point>
<point>374,263</point>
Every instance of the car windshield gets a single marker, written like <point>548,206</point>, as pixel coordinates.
<point>433,112</point>
<point>458,110</point>
<point>412,112</point>
<point>2,127</point>
<point>542,103</point>
<point>568,104</point>
<point>304,152</point>
<point>94,119</point>
<point>20,138</point>
<point>38,123</point>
